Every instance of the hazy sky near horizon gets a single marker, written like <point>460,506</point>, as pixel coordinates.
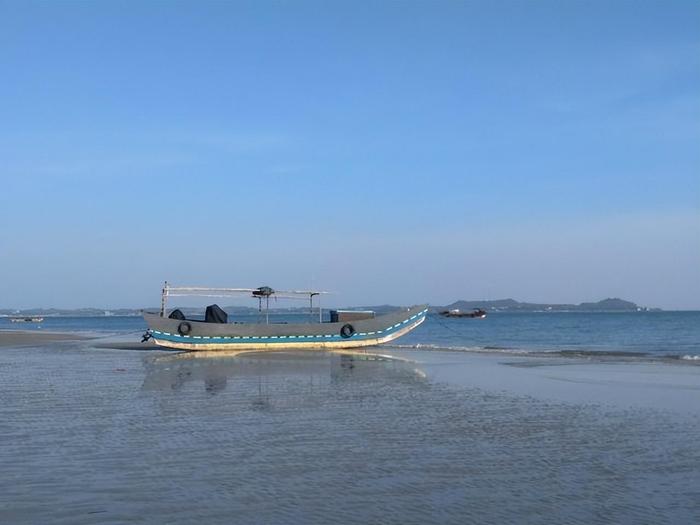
<point>391,152</point>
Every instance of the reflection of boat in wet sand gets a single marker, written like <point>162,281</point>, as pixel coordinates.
<point>346,329</point>
<point>476,313</point>
<point>322,369</point>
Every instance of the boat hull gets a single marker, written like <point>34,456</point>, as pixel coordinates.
<point>210,336</point>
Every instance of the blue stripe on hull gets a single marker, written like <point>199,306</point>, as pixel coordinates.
<point>282,339</point>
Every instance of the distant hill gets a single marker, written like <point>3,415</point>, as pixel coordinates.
<point>511,305</point>
<point>500,305</point>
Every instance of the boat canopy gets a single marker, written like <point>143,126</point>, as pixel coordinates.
<point>262,291</point>
<point>216,314</point>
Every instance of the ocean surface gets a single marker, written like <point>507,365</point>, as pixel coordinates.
<point>472,425</point>
<point>651,334</point>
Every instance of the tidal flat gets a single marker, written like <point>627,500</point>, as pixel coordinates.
<point>99,435</point>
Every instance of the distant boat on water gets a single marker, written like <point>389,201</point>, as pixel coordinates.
<point>476,313</point>
<point>26,319</point>
<point>346,328</point>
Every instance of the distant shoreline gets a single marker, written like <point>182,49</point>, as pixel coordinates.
<point>610,305</point>
<point>433,311</point>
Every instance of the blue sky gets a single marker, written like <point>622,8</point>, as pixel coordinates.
<point>388,151</point>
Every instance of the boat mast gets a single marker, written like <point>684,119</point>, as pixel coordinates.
<point>163,299</point>
<point>311,306</point>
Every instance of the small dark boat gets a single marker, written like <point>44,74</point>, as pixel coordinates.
<point>476,313</point>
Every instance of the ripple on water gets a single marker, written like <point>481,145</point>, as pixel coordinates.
<point>113,437</point>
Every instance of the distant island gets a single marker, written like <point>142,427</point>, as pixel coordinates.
<point>499,305</point>
<point>511,305</point>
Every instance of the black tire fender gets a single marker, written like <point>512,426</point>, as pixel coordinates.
<point>184,328</point>
<point>347,330</point>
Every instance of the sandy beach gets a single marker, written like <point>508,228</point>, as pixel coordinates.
<point>98,434</point>
<point>15,338</point>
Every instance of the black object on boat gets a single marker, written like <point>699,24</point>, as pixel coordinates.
<point>215,314</point>
<point>177,314</point>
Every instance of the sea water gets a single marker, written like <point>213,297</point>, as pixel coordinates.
<point>98,435</point>
<point>653,334</point>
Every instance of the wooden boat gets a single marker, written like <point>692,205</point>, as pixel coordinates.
<point>347,330</point>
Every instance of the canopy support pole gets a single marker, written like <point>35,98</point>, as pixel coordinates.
<point>163,299</point>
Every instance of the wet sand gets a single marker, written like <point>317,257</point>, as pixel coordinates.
<point>129,345</point>
<point>621,384</point>
<point>104,435</point>
<point>14,338</point>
